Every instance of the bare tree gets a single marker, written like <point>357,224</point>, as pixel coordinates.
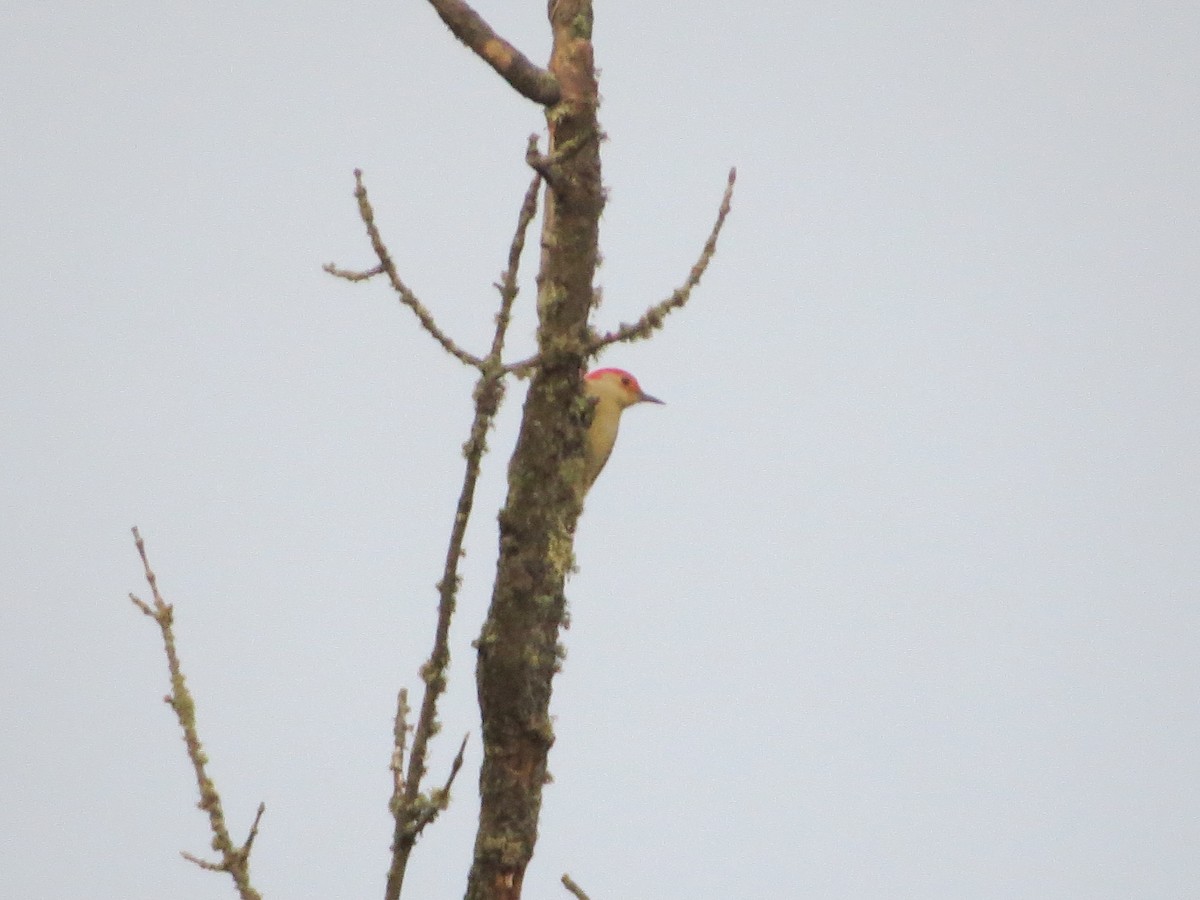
<point>518,648</point>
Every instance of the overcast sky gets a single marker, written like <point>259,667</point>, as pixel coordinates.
<point>895,598</point>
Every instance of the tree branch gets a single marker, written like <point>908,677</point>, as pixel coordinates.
<point>351,274</point>
<point>543,165</point>
<point>653,318</point>
<point>508,280</point>
<point>523,368</point>
<point>386,265</point>
<point>413,811</point>
<point>440,799</point>
<point>526,79</point>
<point>234,859</point>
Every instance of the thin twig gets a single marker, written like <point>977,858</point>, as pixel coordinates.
<point>573,887</point>
<point>439,800</point>
<point>410,809</point>
<point>508,287</point>
<point>244,850</point>
<point>543,165</point>
<point>508,280</point>
<point>350,274</point>
<point>262,808</point>
<point>407,297</point>
<point>234,860</point>
<point>523,368</point>
<point>653,318</point>
<point>202,863</point>
<point>527,79</point>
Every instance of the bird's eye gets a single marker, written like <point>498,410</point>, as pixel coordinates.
<point>625,381</point>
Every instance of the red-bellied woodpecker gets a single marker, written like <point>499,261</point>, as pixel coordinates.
<point>614,391</point>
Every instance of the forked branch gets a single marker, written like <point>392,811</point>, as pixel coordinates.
<point>235,859</point>
<point>653,318</point>
<point>388,267</point>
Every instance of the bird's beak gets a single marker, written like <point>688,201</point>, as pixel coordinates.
<point>646,398</point>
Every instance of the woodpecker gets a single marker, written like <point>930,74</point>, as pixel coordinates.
<point>614,391</point>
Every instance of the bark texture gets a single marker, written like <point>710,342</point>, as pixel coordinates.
<point>519,650</point>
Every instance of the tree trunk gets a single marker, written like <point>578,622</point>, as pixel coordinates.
<point>518,649</point>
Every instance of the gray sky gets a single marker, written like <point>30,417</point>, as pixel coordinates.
<point>897,596</point>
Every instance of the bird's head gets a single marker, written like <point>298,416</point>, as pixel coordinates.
<point>616,386</point>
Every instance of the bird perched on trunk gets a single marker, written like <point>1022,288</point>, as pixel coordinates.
<point>614,391</point>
